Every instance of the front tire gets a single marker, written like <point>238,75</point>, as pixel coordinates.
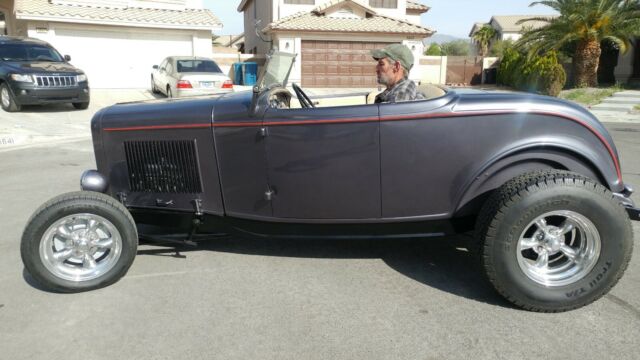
<point>79,241</point>
<point>7,100</point>
<point>554,241</point>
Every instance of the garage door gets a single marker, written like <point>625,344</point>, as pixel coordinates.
<point>338,63</point>
<point>120,59</point>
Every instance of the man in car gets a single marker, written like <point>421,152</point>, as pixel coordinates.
<point>394,63</point>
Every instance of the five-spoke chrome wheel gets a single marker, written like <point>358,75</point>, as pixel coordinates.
<point>80,247</point>
<point>558,248</point>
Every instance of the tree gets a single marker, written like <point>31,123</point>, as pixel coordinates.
<point>455,48</point>
<point>434,50</point>
<point>586,23</point>
<point>499,47</point>
<point>483,38</point>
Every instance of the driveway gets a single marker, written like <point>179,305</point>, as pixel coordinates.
<point>60,122</point>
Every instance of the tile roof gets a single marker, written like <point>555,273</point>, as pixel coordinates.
<point>413,5</point>
<point>324,6</point>
<point>311,21</point>
<point>509,22</point>
<point>187,18</point>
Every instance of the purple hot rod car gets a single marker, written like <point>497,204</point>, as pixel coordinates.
<point>538,180</point>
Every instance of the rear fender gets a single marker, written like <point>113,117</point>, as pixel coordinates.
<point>508,167</point>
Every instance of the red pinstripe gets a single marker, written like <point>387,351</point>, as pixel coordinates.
<point>373,119</point>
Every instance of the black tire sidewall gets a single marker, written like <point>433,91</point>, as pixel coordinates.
<point>81,105</point>
<point>605,214</point>
<point>13,105</point>
<point>36,227</point>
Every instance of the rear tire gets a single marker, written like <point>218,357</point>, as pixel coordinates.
<point>79,241</point>
<point>7,100</point>
<point>169,92</point>
<point>554,241</point>
<point>81,105</point>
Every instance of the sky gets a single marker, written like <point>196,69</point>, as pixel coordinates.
<point>447,17</point>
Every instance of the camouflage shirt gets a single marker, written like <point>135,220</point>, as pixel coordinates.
<point>405,90</point>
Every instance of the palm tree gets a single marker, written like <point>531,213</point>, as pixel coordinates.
<point>483,37</point>
<point>585,23</point>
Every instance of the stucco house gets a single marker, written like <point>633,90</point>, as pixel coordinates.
<point>507,27</point>
<point>116,42</point>
<point>332,37</point>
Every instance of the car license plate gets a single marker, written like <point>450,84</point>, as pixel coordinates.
<point>207,84</point>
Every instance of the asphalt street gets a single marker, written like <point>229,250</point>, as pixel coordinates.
<point>274,299</point>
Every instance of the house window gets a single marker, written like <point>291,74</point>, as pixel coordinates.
<point>300,2</point>
<point>387,4</point>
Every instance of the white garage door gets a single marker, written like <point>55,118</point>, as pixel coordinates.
<point>120,59</point>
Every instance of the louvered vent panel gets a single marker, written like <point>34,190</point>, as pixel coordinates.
<point>163,166</point>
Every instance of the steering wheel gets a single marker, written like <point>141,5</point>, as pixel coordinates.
<point>305,102</point>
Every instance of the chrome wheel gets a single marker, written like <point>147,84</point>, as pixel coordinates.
<point>5,97</point>
<point>558,248</point>
<point>80,247</point>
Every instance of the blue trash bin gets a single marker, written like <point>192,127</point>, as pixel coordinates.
<point>237,73</point>
<point>250,73</point>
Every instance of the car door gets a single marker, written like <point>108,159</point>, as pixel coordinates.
<point>421,157</point>
<point>324,163</point>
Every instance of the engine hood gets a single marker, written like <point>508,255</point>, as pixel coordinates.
<point>40,67</point>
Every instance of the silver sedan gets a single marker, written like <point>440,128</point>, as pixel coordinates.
<point>188,76</point>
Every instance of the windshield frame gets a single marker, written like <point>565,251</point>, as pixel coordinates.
<point>276,62</point>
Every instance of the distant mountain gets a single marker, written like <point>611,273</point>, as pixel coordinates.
<point>441,39</point>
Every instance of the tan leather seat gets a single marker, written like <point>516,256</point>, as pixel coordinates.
<point>431,91</point>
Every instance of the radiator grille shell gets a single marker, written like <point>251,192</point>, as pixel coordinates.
<point>163,166</point>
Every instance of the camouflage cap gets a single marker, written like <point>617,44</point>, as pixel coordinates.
<point>396,52</point>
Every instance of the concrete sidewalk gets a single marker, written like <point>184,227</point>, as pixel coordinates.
<point>619,107</point>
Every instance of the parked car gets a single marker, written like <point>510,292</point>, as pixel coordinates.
<point>179,76</point>
<point>538,179</point>
<point>32,72</point>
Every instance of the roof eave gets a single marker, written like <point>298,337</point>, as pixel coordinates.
<point>425,34</point>
<point>243,4</point>
<point>361,6</point>
<point>53,18</point>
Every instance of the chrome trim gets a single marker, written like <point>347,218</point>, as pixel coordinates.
<point>92,180</point>
<point>51,81</point>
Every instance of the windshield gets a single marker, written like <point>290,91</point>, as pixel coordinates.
<point>186,66</point>
<point>29,52</point>
<point>277,69</point>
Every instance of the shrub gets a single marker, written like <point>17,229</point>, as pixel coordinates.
<point>538,74</point>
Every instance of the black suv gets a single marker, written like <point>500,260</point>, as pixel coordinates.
<point>32,72</point>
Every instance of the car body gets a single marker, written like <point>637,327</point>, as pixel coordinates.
<point>32,72</point>
<point>249,163</point>
<point>180,76</point>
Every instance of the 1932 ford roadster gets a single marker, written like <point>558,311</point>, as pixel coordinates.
<point>538,180</point>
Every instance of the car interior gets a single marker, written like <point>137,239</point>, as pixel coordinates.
<point>283,98</point>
